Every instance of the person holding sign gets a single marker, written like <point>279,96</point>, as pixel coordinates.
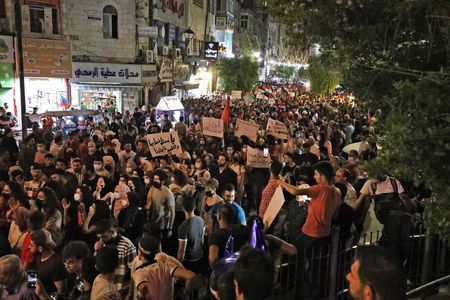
<point>323,208</point>
<point>269,190</point>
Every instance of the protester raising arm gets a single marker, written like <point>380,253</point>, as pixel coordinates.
<point>292,189</point>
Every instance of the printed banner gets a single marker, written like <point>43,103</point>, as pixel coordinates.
<point>274,207</point>
<point>248,129</point>
<point>47,58</point>
<point>256,158</point>
<point>277,129</point>
<point>165,143</point>
<point>6,49</point>
<point>212,127</point>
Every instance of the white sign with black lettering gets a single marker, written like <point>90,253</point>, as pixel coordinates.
<point>256,158</point>
<point>248,129</point>
<point>165,143</point>
<point>277,129</point>
<point>212,127</point>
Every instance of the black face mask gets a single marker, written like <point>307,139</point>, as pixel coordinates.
<point>157,184</point>
<point>209,193</point>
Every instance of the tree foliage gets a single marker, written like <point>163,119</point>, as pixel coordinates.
<point>395,57</point>
<point>285,72</point>
<point>324,77</point>
<point>239,73</point>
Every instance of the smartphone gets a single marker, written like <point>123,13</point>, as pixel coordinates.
<point>266,152</point>
<point>80,286</point>
<point>31,279</point>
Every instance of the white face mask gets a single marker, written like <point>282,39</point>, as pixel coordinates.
<point>97,167</point>
<point>147,180</point>
<point>40,149</point>
<point>116,195</point>
<point>77,197</point>
<point>128,170</point>
<point>198,165</point>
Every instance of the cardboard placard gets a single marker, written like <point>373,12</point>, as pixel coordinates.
<point>236,95</point>
<point>277,129</point>
<point>164,143</point>
<point>274,207</point>
<point>248,129</point>
<point>256,158</point>
<point>212,127</point>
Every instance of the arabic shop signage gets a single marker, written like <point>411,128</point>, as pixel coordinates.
<point>112,73</point>
<point>52,3</point>
<point>47,58</point>
<point>6,49</point>
<point>211,50</point>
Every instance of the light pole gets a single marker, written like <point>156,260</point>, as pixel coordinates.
<point>18,21</point>
<point>188,35</point>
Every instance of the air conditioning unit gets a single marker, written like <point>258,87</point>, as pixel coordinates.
<point>149,56</point>
<point>177,53</point>
<point>165,51</point>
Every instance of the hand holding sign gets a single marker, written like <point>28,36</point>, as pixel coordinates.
<point>256,158</point>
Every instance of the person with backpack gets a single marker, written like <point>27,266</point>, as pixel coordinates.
<point>392,208</point>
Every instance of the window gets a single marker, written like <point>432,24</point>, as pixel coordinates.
<point>37,19</point>
<point>2,9</point>
<point>55,24</point>
<point>244,22</point>
<point>110,23</point>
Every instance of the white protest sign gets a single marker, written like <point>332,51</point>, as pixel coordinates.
<point>274,207</point>
<point>165,143</point>
<point>248,129</point>
<point>256,158</point>
<point>212,127</point>
<point>236,95</point>
<point>277,129</point>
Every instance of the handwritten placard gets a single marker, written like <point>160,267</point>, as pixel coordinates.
<point>256,158</point>
<point>212,127</point>
<point>165,143</point>
<point>248,129</point>
<point>236,95</point>
<point>277,129</point>
<point>275,205</point>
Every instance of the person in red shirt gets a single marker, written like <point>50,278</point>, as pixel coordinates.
<point>323,208</point>
<point>36,222</point>
<point>269,190</point>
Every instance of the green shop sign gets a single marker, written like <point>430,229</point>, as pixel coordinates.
<point>6,76</point>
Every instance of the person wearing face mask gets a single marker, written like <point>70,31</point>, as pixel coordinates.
<point>201,173</point>
<point>98,167</point>
<point>110,166</point>
<point>39,157</point>
<point>131,217</point>
<point>161,204</point>
<point>210,200</point>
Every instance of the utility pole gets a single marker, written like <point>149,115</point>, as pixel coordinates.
<point>19,56</point>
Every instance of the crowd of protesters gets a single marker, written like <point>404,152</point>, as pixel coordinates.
<point>95,216</point>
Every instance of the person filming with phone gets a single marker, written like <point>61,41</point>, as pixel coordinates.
<point>13,280</point>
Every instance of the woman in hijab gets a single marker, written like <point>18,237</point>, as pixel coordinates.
<point>131,216</point>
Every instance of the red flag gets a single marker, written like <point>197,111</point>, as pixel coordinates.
<point>241,115</point>
<point>226,112</point>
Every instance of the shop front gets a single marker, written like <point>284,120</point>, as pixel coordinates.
<point>47,68</point>
<point>7,85</point>
<point>115,87</point>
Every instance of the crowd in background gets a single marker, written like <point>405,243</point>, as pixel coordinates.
<point>96,216</point>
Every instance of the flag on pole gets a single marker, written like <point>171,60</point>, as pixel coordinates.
<point>226,112</point>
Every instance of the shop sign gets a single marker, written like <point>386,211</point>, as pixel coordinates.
<point>171,11</point>
<point>6,49</point>
<point>178,84</point>
<point>149,74</point>
<point>52,3</point>
<point>181,71</point>
<point>47,58</point>
<point>100,72</point>
<point>94,15</point>
<point>148,31</point>
<point>166,71</point>
<point>211,50</point>
<point>6,75</point>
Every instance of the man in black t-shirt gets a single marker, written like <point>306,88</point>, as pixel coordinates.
<point>47,264</point>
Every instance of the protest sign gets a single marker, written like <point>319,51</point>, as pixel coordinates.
<point>236,95</point>
<point>212,127</point>
<point>277,129</point>
<point>256,158</point>
<point>274,207</point>
<point>165,143</point>
<point>248,129</point>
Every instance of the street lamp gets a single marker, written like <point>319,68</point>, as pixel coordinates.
<point>188,36</point>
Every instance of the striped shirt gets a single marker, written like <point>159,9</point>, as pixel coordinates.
<point>127,252</point>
